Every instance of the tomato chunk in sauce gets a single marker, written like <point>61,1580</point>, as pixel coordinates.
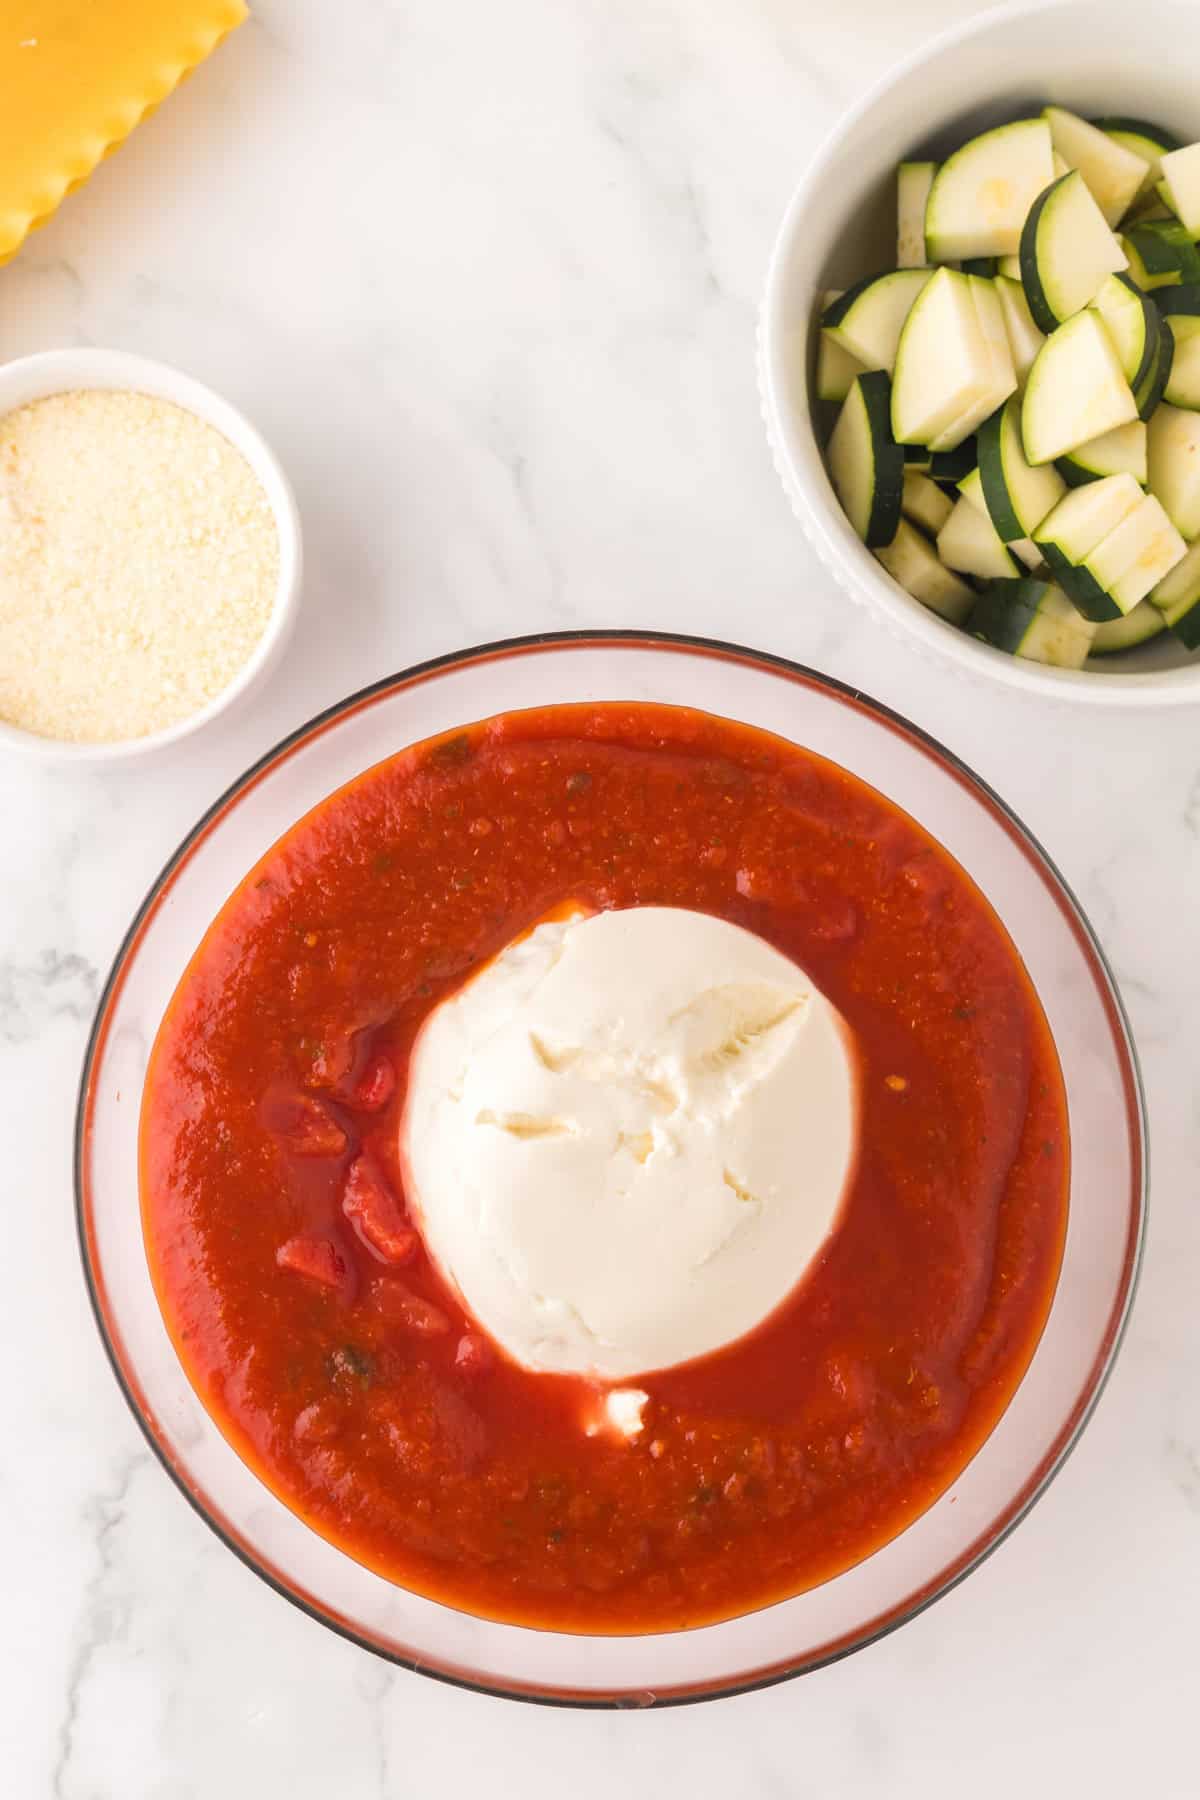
<point>325,1345</point>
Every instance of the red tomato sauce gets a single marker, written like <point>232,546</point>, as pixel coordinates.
<point>335,1360</point>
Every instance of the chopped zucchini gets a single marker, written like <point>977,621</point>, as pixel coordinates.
<point>1147,141</point>
<point>1174,466</point>
<point>1180,186</point>
<point>1178,599</point>
<point>1131,629</point>
<point>1136,554</point>
<point>951,465</point>
<point>1183,382</point>
<point>990,315</point>
<point>1018,496</point>
<point>981,195</point>
<point>913,182</point>
<point>866,464</point>
<point>1132,322</point>
<point>1024,549</point>
<point>1076,390</point>
<point>1183,299</point>
<point>1150,390</point>
<point>1034,619</point>
<point>1067,251</point>
<point>969,542</point>
<point>1119,452</point>
<point>1114,174</point>
<point>1161,254</point>
<point>945,366</point>
<point>1080,521</point>
<point>910,560</point>
<point>836,368</point>
<point>1024,338</point>
<point>868,318</point>
<point>924,502</point>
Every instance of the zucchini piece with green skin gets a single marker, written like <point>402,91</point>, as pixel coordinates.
<point>1182,387</point>
<point>1126,633</point>
<point>1024,337</point>
<point>1133,323</point>
<point>970,543</point>
<point>913,182</point>
<point>1018,496</point>
<point>924,502</point>
<point>1178,599</point>
<point>1147,141</point>
<point>1076,390</point>
<point>1067,251</point>
<point>1161,254</point>
<point>1024,549</point>
<point>1184,299</point>
<point>836,368</point>
<point>1136,555</point>
<point>910,560</point>
<point>1080,521</point>
<point>952,465</point>
<point>1032,618</point>
<point>1119,452</point>
<point>944,362</point>
<point>981,195</point>
<point>866,464</point>
<point>1173,459</point>
<point>868,318</point>
<point>1114,174</point>
<point>1179,186</point>
<point>1149,394</point>
<point>982,266</point>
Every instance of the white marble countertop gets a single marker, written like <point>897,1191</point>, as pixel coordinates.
<point>487,278</point>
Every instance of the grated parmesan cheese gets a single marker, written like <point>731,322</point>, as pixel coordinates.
<point>139,562</point>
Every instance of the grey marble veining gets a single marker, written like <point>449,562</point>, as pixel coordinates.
<point>487,278</point>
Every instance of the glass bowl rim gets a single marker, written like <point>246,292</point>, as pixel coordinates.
<point>1035,1484</point>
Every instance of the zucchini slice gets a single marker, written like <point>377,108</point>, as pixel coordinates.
<point>980,196</point>
<point>945,368</point>
<point>1018,496</point>
<point>1067,251</point>
<point>1180,186</point>
<point>1125,633</point>
<point>910,560</point>
<point>868,318</point>
<point>1024,549</point>
<point>1024,338</point>
<point>1133,323</point>
<point>1080,521</point>
<point>866,464</point>
<point>836,368</point>
<point>1033,619</point>
<point>951,465</point>
<point>924,502</point>
<point>1150,142</point>
<point>969,542</point>
<point>913,182</point>
<point>990,315</point>
<point>1136,555</point>
<point>1161,254</point>
<point>1182,387</point>
<point>1151,389</point>
<point>1183,299</point>
<point>1178,599</point>
<point>1076,390</point>
<point>1119,452</point>
<point>1174,466</point>
<point>1113,173</point>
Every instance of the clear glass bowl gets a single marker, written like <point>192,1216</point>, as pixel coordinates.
<point>1107,1200</point>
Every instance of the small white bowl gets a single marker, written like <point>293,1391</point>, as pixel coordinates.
<point>1093,56</point>
<point>67,371</point>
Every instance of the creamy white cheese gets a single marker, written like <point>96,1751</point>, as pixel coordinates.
<point>627,1137</point>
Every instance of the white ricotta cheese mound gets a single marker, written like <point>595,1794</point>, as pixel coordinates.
<point>627,1137</point>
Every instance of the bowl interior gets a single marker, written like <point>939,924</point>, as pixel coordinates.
<point>1106,1181</point>
<point>841,226</point>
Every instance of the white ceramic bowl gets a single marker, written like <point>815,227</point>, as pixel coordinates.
<point>1095,56</point>
<point>1104,1229</point>
<point>63,371</point>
